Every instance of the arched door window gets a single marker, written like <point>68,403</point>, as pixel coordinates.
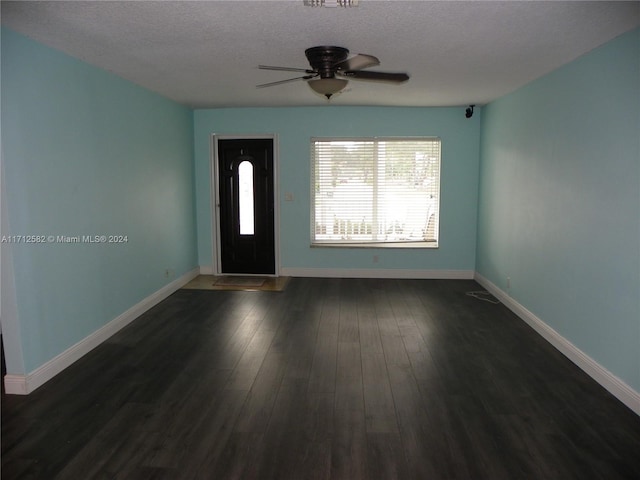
<point>245,178</point>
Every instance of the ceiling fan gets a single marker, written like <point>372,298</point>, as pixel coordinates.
<point>331,69</point>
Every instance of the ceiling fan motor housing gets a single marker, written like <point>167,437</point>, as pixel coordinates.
<point>324,59</point>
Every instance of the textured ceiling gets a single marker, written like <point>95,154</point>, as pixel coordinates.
<point>205,53</point>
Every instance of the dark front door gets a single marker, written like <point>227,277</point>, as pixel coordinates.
<point>245,177</point>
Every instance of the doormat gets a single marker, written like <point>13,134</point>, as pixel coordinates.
<point>240,281</point>
<point>213,282</point>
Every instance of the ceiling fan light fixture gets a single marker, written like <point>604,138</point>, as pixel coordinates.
<point>327,86</point>
<point>331,3</point>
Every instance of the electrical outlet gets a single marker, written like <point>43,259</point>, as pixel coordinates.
<point>508,283</point>
<point>376,259</point>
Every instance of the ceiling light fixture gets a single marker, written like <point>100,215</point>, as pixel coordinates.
<point>331,3</point>
<point>328,86</point>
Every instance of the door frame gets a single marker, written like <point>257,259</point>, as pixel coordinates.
<point>215,200</point>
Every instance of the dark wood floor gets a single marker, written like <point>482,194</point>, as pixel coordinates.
<point>331,379</point>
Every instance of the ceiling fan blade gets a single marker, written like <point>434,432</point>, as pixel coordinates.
<point>271,84</point>
<point>285,69</point>
<point>357,62</point>
<point>377,76</point>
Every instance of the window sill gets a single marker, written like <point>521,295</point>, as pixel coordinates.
<point>401,245</point>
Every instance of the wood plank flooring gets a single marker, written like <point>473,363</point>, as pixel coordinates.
<point>354,379</point>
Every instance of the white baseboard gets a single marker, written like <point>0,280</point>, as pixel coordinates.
<point>608,380</point>
<point>377,273</point>
<point>25,384</point>
<point>365,273</point>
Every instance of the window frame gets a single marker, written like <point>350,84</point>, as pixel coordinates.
<point>419,244</point>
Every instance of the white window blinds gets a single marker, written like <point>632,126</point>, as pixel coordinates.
<point>375,190</point>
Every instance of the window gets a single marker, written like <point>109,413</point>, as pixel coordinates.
<point>245,198</point>
<point>371,191</point>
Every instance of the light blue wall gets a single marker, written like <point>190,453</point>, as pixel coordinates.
<point>559,208</point>
<point>295,127</point>
<point>87,153</point>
